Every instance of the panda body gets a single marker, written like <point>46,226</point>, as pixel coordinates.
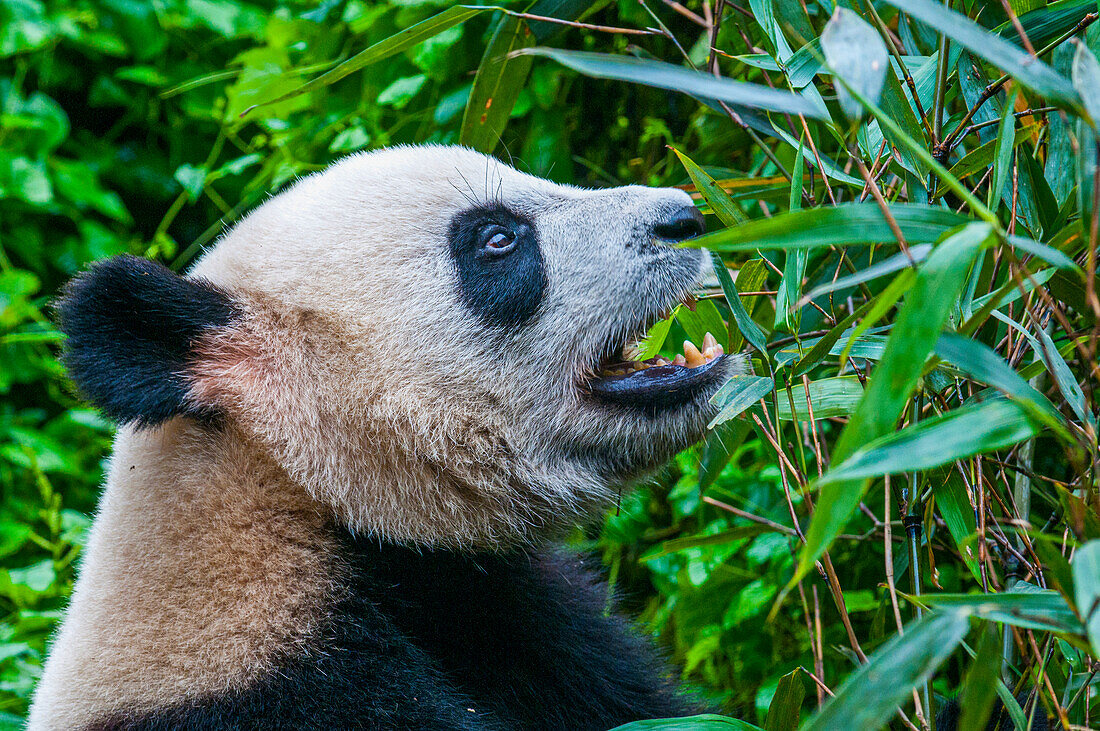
<point>351,438</point>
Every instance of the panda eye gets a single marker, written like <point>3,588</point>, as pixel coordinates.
<point>497,241</point>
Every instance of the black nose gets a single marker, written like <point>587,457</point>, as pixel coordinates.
<point>686,223</point>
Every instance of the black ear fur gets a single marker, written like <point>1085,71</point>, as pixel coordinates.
<point>132,324</point>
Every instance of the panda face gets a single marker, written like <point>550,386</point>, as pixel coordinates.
<point>430,342</point>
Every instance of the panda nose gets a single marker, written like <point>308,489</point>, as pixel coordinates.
<point>685,223</point>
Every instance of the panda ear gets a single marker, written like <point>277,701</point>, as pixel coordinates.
<point>132,327</point>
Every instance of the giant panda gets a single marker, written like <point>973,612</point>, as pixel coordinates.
<point>350,439</point>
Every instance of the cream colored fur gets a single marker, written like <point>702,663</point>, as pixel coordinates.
<point>357,385</point>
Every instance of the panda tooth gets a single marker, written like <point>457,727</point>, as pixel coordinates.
<point>709,342</point>
<point>692,354</point>
<point>713,352</point>
<point>679,360</point>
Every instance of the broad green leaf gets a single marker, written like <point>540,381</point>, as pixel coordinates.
<point>980,687</point>
<point>829,397</point>
<point>1088,152</point>
<point>1086,79</point>
<point>499,79</point>
<point>789,293</point>
<point>889,265</point>
<point>737,395</point>
<point>1030,72</point>
<point>395,44</point>
<point>1047,23</point>
<point>703,319</point>
<point>919,324</point>
<point>821,347</point>
<point>717,199</point>
<point>868,698</point>
<point>748,328</point>
<point>847,224</point>
<point>855,51</point>
<point>786,707</point>
<point>675,78</point>
<point>655,339</point>
<point>705,722</point>
<point>1086,582</point>
<point>1038,610</point>
<point>966,431</point>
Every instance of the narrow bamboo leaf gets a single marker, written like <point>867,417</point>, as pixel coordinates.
<point>980,687</point>
<point>675,78</point>
<point>1047,253</point>
<point>1086,80</point>
<point>982,363</point>
<point>794,264</point>
<point>500,77</point>
<point>1056,568</point>
<point>1002,159</point>
<point>703,319</point>
<point>855,51</point>
<point>705,722</point>
<point>883,303</point>
<point>889,265</point>
<point>964,432</point>
<point>1030,72</point>
<point>1086,582</point>
<point>717,199</point>
<point>745,323</point>
<point>847,224</point>
<point>1088,157</point>
<point>829,168</point>
<point>1067,383</point>
<point>1040,610</point>
<point>918,326</point>
<point>716,539</point>
<point>979,159</point>
<point>655,338</point>
<point>765,17</point>
<point>737,395</point>
<point>1006,295</point>
<point>868,698</point>
<point>957,512</point>
<point>786,707</point>
<point>830,397</point>
<point>395,44</point>
<point>543,30</point>
<point>1045,24</point>
<point>896,103</point>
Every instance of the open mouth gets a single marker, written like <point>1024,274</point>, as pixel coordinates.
<point>658,383</point>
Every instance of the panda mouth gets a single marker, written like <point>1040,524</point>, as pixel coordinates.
<point>658,383</point>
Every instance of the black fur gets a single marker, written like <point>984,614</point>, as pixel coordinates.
<point>131,325</point>
<point>439,640</point>
<point>502,290</point>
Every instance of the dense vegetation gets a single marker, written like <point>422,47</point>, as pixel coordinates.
<point>900,505</point>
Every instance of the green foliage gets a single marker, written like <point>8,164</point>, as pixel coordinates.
<point>905,231</point>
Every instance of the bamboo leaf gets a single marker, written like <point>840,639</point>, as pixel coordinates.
<point>830,397</point>
<point>741,316</point>
<point>855,51</point>
<point>500,77</point>
<point>667,76</point>
<point>716,539</point>
<point>1002,159</point>
<point>847,224</point>
<point>868,698</point>
<point>980,688</point>
<point>1086,79</point>
<point>737,395</point>
<point>717,199</point>
<point>395,44</point>
<point>786,706</point>
<point>1086,582</point>
<point>1033,609</point>
<point>889,265</point>
<point>1029,71</point>
<point>705,722</point>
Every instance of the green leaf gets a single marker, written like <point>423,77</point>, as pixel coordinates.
<point>794,265</point>
<point>1030,609</point>
<point>667,76</point>
<point>738,394</point>
<point>705,722</point>
<point>957,512</point>
<point>1086,80</point>
<point>499,80</point>
<point>1029,71</point>
<point>980,687</point>
<point>1002,159</point>
<point>741,316</point>
<point>395,44</point>
<point>868,698</point>
<point>919,325</point>
<point>716,539</point>
<point>786,707</point>
<point>717,199</point>
<point>855,51</point>
<point>966,431</point>
<point>1086,582</point>
<point>847,224</point>
<point>830,398</point>
<point>889,265</point>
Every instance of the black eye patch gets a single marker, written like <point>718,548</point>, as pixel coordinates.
<point>501,274</point>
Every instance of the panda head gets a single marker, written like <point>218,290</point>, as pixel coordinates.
<point>422,338</point>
